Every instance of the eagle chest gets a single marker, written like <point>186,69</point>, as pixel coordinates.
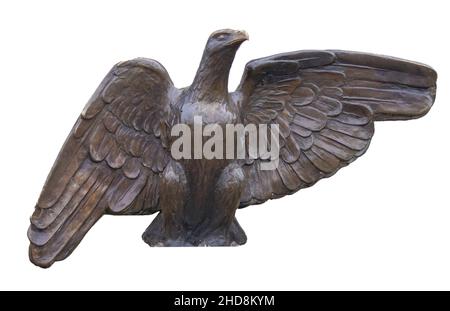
<point>220,113</point>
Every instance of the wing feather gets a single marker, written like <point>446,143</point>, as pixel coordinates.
<point>101,169</point>
<point>325,103</point>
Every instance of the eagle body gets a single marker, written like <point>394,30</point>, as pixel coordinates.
<point>118,157</point>
<point>211,188</point>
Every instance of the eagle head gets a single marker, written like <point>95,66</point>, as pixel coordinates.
<point>211,81</point>
<point>225,40</point>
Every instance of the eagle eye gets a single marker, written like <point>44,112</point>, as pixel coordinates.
<point>221,36</point>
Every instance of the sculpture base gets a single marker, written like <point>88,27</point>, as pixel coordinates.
<point>156,235</point>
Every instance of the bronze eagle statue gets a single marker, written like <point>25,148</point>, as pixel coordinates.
<point>117,159</point>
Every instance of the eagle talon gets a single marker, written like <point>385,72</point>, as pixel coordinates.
<point>156,236</point>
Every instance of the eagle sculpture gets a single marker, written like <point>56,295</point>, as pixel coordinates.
<point>117,159</point>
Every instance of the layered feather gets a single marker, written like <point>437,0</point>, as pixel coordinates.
<point>325,104</point>
<point>110,163</point>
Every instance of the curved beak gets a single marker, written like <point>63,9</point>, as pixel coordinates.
<point>239,37</point>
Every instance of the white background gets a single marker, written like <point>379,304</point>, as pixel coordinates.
<point>381,223</point>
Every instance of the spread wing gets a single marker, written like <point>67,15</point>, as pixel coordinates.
<point>325,104</point>
<point>110,162</point>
